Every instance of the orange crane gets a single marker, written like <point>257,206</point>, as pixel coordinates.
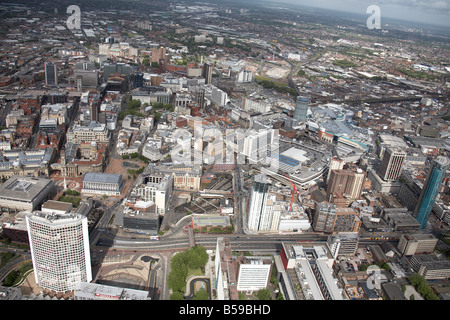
<point>294,191</point>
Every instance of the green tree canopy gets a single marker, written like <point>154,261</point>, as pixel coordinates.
<point>201,295</point>
<point>177,295</point>
<point>422,287</point>
<point>263,294</point>
<point>193,258</point>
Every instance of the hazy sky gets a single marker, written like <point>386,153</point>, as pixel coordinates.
<point>426,11</point>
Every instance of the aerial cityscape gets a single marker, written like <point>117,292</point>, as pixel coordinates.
<point>224,150</point>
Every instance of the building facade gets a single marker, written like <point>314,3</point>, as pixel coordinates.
<point>257,205</point>
<point>207,72</point>
<point>156,188</point>
<point>329,218</point>
<point>301,109</point>
<point>51,74</point>
<point>346,183</point>
<point>59,245</point>
<point>392,163</point>
<point>430,266</point>
<point>343,244</point>
<point>102,184</point>
<point>411,244</point>
<point>94,132</point>
<point>25,193</point>
<point>431,190</point>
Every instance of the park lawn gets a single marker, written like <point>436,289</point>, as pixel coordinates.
<point>194,272</point>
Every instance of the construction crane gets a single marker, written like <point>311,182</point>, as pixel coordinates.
<point>294,191</point>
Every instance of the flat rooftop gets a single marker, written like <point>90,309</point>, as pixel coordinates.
<point>296,154</point>
<point>102,292</point>
<point>102,177</point>
<point>23,188</point>
<point>57,205</point>
<point>54,218</point>
<point>211,220</point>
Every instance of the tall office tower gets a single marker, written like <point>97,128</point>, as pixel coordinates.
<point>158,55</point>
<point>51,74</point>
<point>258,198</point>
<point>430,190</point>
<point>207,72</point>
<point>301,108</point>
<point>335,164</point>
<point>138,80</point>
<point>219,97</point>
<point>347,183</point>
<point>392,163</point>
<point>59,246</point>
<point>200,97</point>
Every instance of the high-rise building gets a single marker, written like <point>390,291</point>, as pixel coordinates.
<point>256,144</point>
<point>59,245</point>
<point>335,164</point>
<point>138,80</point>
<point>225,275</point>
<point>330,218</point>
<point>207,72</point>
<point>392,163</point>
<point>116,68</point>
<point>430,190</point>
<point>346,183</point>
<point>301,108</point>
<point>89,78</point>
<point>258,198</point>
<point>219,97</point>
<point>200,97</point>
<point>158,55</point>
<point>51,74</point>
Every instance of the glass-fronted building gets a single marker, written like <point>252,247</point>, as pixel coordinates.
<point>430,190</point>
<point>301,109</point>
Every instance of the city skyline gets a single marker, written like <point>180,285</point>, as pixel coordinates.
<point>428,12</point>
